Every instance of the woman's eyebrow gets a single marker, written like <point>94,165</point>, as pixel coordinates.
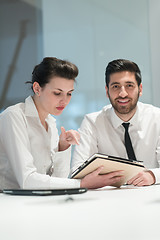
<point>58,89</point>
<point>71,90</point>
<point>62,90</point>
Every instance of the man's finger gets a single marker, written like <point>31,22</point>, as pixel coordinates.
<point>132,180</point>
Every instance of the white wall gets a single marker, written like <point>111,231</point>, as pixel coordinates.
<point>88,32</point>
<point>91,33</point>
<point>154,33</point>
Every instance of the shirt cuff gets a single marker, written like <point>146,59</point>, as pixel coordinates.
<point>62,162</point>
<point>58,183</point>
<point>156,172</point>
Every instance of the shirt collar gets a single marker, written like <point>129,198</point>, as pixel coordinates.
<point>116,121</point>
<point>31,110</point>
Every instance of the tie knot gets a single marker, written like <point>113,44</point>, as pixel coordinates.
<point>126,125</point>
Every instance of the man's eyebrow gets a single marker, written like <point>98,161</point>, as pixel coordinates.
<point>130,82</point>
<point>120,83</point>
<point>115,83</point>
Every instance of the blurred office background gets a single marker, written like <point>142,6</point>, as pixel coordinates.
<point>90,33</point>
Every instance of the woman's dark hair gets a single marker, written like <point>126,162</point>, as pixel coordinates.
<point>53,67</point>
<point>121,65</point>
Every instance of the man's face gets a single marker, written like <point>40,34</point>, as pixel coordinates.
<point>123,93</point>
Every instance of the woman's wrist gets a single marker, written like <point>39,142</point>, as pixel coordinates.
<point>63,146</point>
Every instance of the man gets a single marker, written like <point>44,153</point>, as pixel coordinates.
<point>103,132</point>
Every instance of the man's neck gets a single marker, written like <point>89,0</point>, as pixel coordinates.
<point>127,116</point>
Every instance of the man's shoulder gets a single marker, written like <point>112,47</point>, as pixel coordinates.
<point>148,108</point>
<point>99,114</point>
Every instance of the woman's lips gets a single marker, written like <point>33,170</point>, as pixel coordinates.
<point>60,108</point>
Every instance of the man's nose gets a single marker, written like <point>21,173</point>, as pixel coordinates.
<point>123,93</point>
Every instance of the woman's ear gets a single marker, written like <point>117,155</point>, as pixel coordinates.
<point>36,88</point>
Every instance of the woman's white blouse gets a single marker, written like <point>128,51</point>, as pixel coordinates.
<point>27,150</point>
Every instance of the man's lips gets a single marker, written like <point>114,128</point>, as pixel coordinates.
<point>60,108</point>
<point>123,101</point>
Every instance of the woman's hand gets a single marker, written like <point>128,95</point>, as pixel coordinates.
<point>68,138</point>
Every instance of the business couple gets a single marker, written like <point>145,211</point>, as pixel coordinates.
<point>32,155</point>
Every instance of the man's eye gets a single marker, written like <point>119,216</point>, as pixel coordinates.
<point>69,94</point>
<point>115,87</point>
<point>130,86</point>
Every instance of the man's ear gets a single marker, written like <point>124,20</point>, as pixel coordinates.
<point>107,94</point>
<point>140,89</point>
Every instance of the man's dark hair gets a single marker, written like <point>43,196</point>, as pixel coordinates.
<point>121,65</point>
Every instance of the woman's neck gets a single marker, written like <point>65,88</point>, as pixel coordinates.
<point>42,114</point>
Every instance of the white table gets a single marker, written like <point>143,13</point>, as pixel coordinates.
<point>129,213</point>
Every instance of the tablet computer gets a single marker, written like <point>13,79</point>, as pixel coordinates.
<point>110,163</point>
<point>44,192</point>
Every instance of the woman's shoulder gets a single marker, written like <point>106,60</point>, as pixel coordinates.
<point>14,110</point>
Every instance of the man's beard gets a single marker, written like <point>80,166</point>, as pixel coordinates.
<point>124,109</point>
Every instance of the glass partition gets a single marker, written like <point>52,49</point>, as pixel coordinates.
<point>90,33</point>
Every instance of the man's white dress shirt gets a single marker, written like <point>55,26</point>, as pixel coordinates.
<point>102,132</point>
<point>27,150</point>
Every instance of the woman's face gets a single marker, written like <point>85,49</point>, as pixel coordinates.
<point>54,96</point>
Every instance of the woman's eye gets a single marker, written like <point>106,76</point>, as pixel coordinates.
<point>57,93</point>
<point>69,94</point>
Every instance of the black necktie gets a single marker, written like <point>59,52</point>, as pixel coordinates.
<point>128,143</point>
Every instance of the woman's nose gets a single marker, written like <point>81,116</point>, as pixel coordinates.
<point>63,100</point>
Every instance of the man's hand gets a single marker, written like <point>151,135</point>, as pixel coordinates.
<point>95,180</point>
<point>144,178</point>
<point>67,138</point>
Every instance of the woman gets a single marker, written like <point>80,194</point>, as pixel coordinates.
<point>31,153</point>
